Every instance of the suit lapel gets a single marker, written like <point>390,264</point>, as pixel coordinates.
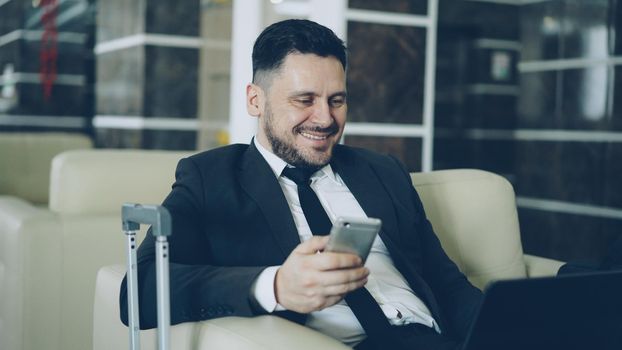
<point>368,190</point>
<point>258,180</point>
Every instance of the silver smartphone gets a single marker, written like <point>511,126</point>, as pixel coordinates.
<point>353,235</point>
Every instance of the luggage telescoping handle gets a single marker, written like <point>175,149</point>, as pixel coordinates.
<point>132,216</point>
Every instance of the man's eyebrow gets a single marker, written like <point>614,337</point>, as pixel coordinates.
<point>302,94</point>
<point>311,93</point>
<point>338,94</point>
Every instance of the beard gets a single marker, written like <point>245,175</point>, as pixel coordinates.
<point>287,150</point>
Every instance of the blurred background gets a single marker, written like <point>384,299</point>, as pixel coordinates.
<point>529,89</point>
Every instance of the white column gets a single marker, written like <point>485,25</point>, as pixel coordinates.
<point>427,148</point>
<point>247,24</point>
<point>330,13</point>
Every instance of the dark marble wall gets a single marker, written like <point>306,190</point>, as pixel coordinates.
<point>385,81</point>
<point>386,72</point>
<point>476,85</point>
<point>73,30</point>
<point>477,130</point>
<point>408,149</point>
<point>148,80</point>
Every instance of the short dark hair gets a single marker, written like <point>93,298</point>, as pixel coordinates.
<point>291,36</point>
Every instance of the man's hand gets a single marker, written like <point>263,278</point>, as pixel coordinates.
<point>308,281</point>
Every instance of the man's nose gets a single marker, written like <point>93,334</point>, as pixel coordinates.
<point>322,114</point>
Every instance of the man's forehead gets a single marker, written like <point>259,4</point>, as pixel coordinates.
<point>298,58</point>
<point>307,72</point>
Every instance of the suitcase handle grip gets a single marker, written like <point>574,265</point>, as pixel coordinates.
<point>158,217</point>
<point>132,215</point>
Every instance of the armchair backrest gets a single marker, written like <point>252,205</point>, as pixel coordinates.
<point>25,162</point>
<point>473,212</point>
<point>100,181</point>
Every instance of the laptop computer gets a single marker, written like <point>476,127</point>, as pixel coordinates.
<point>582,311</point>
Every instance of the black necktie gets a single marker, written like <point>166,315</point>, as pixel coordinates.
<point>360,301</point>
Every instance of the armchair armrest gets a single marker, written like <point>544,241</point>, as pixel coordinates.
<point>262,332</point>
<point>242,333</point>
<point>538,266</point>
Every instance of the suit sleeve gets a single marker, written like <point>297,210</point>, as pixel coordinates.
<point>198,289</point>
<point>458,298</point>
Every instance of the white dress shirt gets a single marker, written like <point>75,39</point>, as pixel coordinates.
<point>385,283</point>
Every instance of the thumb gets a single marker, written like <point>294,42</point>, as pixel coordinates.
<point>312,245</point>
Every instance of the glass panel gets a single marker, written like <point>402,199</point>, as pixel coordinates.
<point>419,7</point>
<point>173,17</point>
<point>215,75</point>
<point>171,82</point>
<point>564,171</point>
<point>406,149</point>
<point>119,18</point>
<point>537,103</point>
<point>120,82</point>
<point>567,237</point>
<point>540,25</point>
<point>386,73</point>
<point>584,98</point>
<point>585,28</point>
<point>615,74</point>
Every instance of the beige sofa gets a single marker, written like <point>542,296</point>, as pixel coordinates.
<point>472,211</point>
<point>25,160</point>
<point>49,256</point>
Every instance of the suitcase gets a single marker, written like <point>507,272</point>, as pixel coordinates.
<point>132,216</point>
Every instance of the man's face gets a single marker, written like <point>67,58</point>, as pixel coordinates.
<point>305,110</point>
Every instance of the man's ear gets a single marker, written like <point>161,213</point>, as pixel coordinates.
<point>254,100</point>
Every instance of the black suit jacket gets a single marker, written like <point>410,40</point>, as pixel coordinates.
<point>231,220</point>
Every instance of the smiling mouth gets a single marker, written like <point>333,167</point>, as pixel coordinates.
<point>313,136</point>
<point>317,134</point>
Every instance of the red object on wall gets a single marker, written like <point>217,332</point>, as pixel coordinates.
<point>49,47</point>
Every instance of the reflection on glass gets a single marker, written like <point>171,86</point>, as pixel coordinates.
<point>585,28</point>
<point>584,95</point>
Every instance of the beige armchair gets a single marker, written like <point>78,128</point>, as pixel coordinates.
<point>472,211</point>
<point>49,256</point>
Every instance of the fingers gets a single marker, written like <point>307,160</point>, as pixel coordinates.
<point>312,245</point>
<point>333,261</point>
<point>308,281</point>
<point>339,290</point>
<point>340,277</point>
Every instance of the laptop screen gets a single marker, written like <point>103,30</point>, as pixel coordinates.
<point>582,311</point>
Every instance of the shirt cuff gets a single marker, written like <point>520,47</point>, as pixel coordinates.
<point>263,290</point>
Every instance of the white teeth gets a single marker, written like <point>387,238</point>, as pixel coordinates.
<point>313,137</point>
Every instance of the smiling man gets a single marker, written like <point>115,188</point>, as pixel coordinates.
<point>247,218</point>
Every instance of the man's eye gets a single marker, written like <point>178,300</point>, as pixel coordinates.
<point>337,102</point>
<point>305,101</point>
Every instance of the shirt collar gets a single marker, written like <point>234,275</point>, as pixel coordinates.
<point>277,164</point>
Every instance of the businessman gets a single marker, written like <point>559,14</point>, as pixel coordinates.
<point>249,220</point>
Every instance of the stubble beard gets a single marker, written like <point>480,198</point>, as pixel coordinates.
<point>288,151</point>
